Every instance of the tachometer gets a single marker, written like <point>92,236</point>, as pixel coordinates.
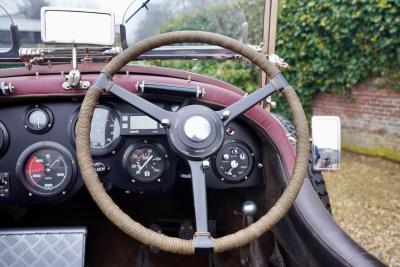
<point>46,168</point>
<point>145,162</point>
<point>105,132</point>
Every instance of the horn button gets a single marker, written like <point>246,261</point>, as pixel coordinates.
<point>196,133</point>
<point>197,128</point>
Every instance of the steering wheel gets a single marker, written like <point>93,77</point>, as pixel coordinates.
<point>195,132</point>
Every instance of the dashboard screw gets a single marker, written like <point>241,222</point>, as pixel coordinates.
<point>246,177</point>
<point>64,193</point>
<point>158,180</point>
<point>222,178</point>
<point>30,194</point>
<point>26,126</point>
<point>133,181</point>
<point>113,152</point>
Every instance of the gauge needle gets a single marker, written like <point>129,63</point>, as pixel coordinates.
<point>147,161</point>
<point>234,165</point>
<point>51,166</point>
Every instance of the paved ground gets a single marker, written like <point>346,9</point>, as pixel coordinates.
<point>365,199</point>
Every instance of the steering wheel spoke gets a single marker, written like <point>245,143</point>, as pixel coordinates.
<point>229,113</point>
<point>161,115</point>
<point>104,82</point>
<point>202,237</point>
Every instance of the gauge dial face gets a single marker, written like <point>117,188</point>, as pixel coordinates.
<point>105,131</point>
<point>47,171</point>
<point>234,162</point>
<point>146,162</point>
<point>38,119</point>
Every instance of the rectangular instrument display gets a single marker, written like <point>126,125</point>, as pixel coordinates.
<point>140,124</point>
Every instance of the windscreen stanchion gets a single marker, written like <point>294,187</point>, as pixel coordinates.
<point>203,241</point>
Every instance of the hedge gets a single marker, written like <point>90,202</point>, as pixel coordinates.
<point>330,45</point>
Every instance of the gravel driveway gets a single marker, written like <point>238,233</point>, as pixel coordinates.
<point>365,199</point>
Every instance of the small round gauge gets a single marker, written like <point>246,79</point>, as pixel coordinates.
<point>46,169</point>
<point>145,162</point>
<point>4,139</point>
<point>234,162</point>
<point>105,131</point>
<point>38,119</point>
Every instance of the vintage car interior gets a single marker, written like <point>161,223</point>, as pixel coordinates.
<point>125,164</point>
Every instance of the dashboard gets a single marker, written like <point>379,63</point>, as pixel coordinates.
<point>130,150</point>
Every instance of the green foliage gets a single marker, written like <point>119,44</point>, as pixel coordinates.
<point>227,21</point>
<point>330,45</point>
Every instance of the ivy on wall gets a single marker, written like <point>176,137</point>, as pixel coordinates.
<point>330,45</point>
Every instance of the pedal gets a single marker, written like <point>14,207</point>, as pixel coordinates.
<point>43,247</point>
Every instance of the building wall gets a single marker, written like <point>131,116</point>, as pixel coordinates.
<point>370,119</point>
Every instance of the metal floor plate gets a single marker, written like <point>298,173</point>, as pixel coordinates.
<point>43,247</point>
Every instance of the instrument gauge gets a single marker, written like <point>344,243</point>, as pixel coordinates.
<point>145,162</point>
<point>38,119</point>
<point>234,162</point>
<point>4,139</point>
<point>46,169</point>
<point>105,132</point>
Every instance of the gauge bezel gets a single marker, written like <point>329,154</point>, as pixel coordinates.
<point>67,183</point>
<point>48,113</point>
<point>249,170</point>
<point>158,147</point>
<point>5,139</point>
<point>98,151</point>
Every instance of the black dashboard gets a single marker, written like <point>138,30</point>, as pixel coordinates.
<point>130,151</point>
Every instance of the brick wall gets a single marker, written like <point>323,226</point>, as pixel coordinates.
<point>370,119</point>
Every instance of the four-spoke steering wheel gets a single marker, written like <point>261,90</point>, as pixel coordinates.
<point>195,132</point>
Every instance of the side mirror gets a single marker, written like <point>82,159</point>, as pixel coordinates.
<point>326,143</point>
<point>77,26</point>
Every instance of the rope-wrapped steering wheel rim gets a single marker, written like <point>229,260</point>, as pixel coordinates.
<point>161,241</point>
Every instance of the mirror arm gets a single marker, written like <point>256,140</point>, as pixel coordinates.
<point>73,79</point>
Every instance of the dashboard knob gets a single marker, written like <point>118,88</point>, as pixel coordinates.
<point>197,128</point>
<point>249,208</point>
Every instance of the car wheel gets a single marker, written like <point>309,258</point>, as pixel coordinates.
<point>316,178</point>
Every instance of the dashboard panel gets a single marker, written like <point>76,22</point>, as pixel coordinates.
<point>130,150</point>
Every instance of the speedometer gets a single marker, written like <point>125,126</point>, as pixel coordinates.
<point>145,162</point>
<point>105,132</point>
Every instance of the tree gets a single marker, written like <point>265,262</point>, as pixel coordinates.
<point>31,8</point>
